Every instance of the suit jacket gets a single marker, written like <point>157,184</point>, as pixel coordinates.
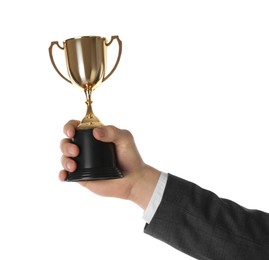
<point>204,226</point>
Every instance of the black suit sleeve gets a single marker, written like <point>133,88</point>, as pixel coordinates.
<point>204,226</point>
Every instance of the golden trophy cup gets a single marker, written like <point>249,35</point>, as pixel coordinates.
<point>86,66</point>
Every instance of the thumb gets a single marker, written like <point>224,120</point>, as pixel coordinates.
<point>112,134</point>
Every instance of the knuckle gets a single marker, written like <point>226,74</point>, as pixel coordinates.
<point>128,134</point>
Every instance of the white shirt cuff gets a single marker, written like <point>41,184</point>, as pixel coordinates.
<point>155,198</point>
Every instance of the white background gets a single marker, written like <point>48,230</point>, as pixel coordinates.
<point>192,87</point>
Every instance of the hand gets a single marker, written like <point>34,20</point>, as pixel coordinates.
<point>139,179</point>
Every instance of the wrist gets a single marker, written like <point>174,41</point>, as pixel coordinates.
<point>144,186</point>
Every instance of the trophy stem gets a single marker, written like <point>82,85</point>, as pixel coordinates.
<point>90,120</point>
<point>88,94</point>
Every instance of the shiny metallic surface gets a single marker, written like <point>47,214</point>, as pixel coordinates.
<point>86,61</point>
<point>90,120</point>
<point>86,65</point>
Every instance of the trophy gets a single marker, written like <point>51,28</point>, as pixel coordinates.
<point>86,66</point>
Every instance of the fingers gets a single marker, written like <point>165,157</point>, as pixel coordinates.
<point>68,164</point>
<point>69,149</point>
<point>69,128</point>
<point>62,175</point>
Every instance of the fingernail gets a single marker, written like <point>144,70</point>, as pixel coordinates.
<point>71,150</point>
<point>69,132</point>
<point>68,166</point>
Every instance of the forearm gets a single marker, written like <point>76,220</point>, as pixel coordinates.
<point>201,224</point>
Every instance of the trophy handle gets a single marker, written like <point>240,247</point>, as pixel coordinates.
<point>119,55</point>
<point>52,60</point>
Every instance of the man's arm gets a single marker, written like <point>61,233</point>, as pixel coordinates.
<point>200,224</point>
<point>189,218</point>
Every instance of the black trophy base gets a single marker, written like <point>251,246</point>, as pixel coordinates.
<point>96,159</point>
